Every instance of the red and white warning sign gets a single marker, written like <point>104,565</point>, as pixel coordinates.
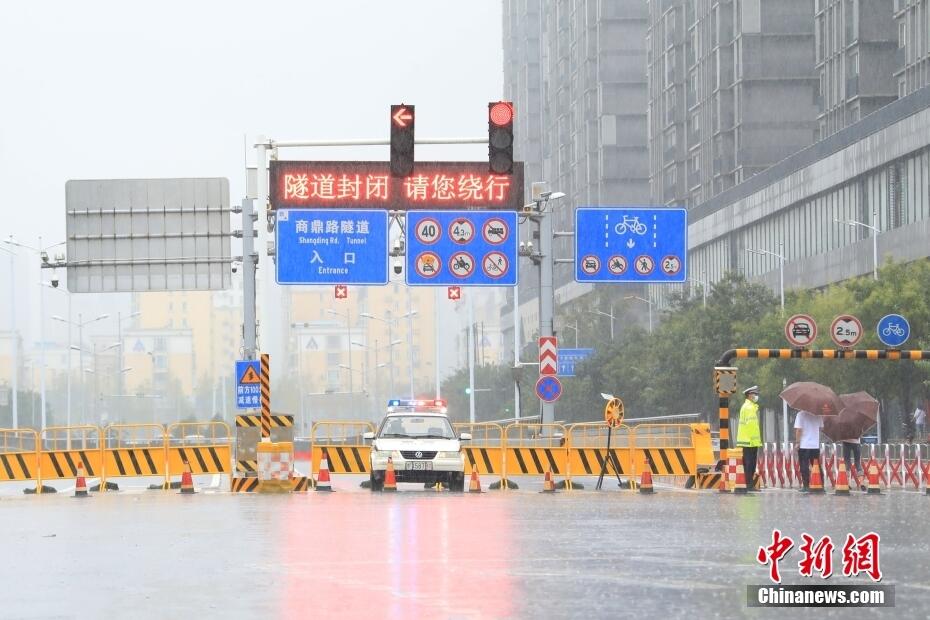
<point>801,330</point>
<point>617,265</point>
<point>644,264</point>
<point>428,231</point>
<point>671,265</point>
<point>462,230</point>
<point>495,231</point>
<point>846,330</point>
<point>548,355</point>
<point>454,293</point>
<point>495,264</point>
<point>461,264</point>
<point>341,292</point>
<point>428,264</point>
<point>590,264</point>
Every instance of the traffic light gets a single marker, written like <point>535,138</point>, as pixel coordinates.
<point>500,137</point>
<point>402,121</point>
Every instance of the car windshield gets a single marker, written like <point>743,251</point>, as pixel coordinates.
<point>430,427</point>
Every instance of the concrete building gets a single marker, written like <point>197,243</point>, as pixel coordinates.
<point>576,72</point>
<point>875,171</point>
<point>912,58</point>
<point>731,92</point>
<point>855,44</point>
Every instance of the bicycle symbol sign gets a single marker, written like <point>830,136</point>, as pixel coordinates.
<point>644,264</point>
<point>461,264</point>
<point>630,224</point>
<point>893,330</point>
<point>461,230</point>
<point>494,264</point>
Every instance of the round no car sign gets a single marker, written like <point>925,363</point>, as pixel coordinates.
<point>801,330</point>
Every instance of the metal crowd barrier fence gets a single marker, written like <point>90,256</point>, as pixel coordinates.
<point>64,447</point>
<point>19,455</point>
<point>587,443</point>
<point>485,451</point>
<point>534,449</point>
<point>205,446</point>
<point>344,443</point>
<point>134,450</point>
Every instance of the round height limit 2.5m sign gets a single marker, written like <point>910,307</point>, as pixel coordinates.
<point>846,331</point>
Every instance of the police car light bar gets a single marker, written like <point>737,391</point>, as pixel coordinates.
<point>397,402</point>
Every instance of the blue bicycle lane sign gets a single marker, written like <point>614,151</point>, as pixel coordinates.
<point>893,330</point>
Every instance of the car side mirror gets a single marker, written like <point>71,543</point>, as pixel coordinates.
<point>465,437</point>
<point>369,436</point>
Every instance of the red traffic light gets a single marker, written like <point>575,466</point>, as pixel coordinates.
<point>501,113</point>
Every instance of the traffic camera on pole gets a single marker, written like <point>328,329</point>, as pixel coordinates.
<point>402,122</point>
<point>500,137</point>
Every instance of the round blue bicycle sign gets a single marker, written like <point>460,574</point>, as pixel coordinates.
<point>893,330</point>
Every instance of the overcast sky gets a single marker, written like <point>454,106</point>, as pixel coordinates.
<point>175,89</point>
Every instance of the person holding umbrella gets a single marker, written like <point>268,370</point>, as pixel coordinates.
<point>748,436</point>
<point>814,402</point>
<point>807,435</point>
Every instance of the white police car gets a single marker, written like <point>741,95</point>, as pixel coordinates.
<point>418,437</point>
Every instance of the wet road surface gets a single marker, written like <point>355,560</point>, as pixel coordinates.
<point>423,554</point>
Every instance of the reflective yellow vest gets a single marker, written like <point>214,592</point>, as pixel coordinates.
<point>748,434</point>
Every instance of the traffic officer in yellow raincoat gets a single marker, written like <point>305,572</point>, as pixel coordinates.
<point>749,437</point>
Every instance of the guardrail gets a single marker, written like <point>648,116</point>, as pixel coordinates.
<point>19,455</point>
<point>347,451</point>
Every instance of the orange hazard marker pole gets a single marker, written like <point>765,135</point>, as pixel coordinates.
<point>740,485</point>
<point>322,482</point>
<point>875,487</point>
<point>548,485</point>
<point>842,482</point>
<point>645,483</point>
<point>474,484</point>
<point>80,483</point>
<point>390,479</point>
<point>816,485</point>
<point>187,480</point>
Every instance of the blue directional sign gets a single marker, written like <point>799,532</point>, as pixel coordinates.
<point>635,244</point>
<point>893,330</point>
<point>248,384</point>
<point>569,357</point>
<point>548,388</point>
<point>461,248</point>
<point>332,247</point>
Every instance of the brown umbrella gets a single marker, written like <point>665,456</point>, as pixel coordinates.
<point>860,411</point>
<point>812,397</point>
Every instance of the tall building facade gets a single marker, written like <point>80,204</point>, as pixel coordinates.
<point>912,58</point>
<point>855,46</point>
<point>576,72</point>
<point>732,90</point>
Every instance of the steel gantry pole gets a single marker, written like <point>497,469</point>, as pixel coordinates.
<point>516,347</point>
<point>14,354</point>
<point>471,358</point>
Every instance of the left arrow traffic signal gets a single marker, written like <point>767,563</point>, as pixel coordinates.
<point>402,123</point>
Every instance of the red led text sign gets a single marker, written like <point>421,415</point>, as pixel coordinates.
<point>369,185</point>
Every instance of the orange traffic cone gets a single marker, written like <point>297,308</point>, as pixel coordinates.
<point>816,481</point>
<point>80,484</point>
<point>875,487</point>
<point>548,484</point>
<point>390,480</point>
<point>322,480</point>
<point>842,482</point>
<point>645,482</point>
<point>187,481</point>
<point>474,485</point>
<point>740,486</point>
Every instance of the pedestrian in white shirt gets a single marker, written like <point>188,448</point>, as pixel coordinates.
<point>807,435</point>
<point>920,423</point>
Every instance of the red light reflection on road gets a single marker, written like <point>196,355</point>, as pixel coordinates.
<point>411,554</point>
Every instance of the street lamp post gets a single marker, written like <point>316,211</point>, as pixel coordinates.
<point>119,330</point>
<point>390,325</point>
<point>80,349</point>
<point>703,283</point>
<point>573,328</point>
<point>780,255</point>
<point>611,317</point>
<point>346,316</point>
<point>875,230</point>
<point>14,356</point>
<point>645,301</point>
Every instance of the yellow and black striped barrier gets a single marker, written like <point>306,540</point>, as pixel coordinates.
<point>486,460</point>
<point>342,459</point>
<point>60,464</point>
<point>202,459</point>
<point>590,461</point>
<point>120,462</point>
<point>535,461</point>
<point>266,395</point>
<point>19,454</point>
<point>244,485</point>
<point>709,480</point>
<point>249,467</point>
<point>255,421</point>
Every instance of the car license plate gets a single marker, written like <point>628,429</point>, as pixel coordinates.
<point>419,465</point>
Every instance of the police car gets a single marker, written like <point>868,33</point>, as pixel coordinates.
<point>418,437</point>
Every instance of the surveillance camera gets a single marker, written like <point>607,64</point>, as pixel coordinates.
<point>545,195</point>
<point>529,246</point>
<point>54,282</point>
<point>397,243</point>
<point>522,246</point>
<point>44,257</point>
<point>398,267</point>
<point>235,267</point>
